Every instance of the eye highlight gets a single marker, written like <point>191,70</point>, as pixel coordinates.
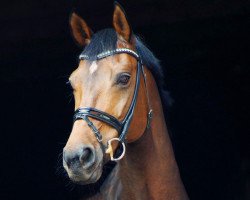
<point>123,79</point>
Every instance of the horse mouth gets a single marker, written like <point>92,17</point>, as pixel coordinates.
<point>85,177</point>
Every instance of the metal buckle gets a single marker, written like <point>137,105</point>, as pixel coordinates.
<point>110,151</point>
<point>150,116</point>
<point>99,138</point>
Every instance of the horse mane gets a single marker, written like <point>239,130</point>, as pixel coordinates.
<point>106,40</point>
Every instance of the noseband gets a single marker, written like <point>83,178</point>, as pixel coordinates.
<point>120,126</point>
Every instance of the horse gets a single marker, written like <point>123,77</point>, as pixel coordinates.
<point>119,116</point>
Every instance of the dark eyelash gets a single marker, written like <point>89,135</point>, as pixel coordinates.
<point>118,81</point>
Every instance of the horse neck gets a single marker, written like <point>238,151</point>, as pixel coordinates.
<point>149,168</point>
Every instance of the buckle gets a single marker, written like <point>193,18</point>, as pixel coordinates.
<point>150,116</point>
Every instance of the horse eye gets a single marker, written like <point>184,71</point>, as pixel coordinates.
<point>123,79</point>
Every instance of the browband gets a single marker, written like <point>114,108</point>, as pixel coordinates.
<point>110,53</point>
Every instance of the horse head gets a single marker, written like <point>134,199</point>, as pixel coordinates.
<point>109,101</point>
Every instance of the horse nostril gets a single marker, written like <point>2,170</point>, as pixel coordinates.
<point>85,154</point>
<point>81,157</point>
<point>87,157</point>
<point>71,158</point>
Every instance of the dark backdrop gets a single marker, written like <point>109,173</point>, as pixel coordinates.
<point>204,49</point>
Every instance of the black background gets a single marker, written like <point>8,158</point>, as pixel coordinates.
<point>204,49</point>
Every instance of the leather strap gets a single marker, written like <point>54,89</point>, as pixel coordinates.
<point>80,113</point>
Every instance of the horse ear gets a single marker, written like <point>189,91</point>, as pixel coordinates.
<point>80,30</point>
<point>120,22</point>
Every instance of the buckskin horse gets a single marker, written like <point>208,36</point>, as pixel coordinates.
<point>119,116</point>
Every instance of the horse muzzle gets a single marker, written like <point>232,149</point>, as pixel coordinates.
<point>82,164</point>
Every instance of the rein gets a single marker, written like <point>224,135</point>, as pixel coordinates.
<point>121,126</point>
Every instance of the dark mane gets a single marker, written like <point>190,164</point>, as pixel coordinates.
<point>106,39</point>
<point>101,41</point>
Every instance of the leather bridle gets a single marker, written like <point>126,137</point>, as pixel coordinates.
<point>121,126</point>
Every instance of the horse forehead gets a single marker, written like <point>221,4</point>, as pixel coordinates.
<point>115,62</point>
<point>93,67</point>
<point>110,63</point>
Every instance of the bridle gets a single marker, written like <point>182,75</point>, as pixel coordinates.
<point>121,126</point>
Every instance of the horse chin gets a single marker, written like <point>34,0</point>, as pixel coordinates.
<point>86,177</point>
<point>93,179</point>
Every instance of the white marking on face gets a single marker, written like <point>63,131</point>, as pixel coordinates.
<point>93,67</point>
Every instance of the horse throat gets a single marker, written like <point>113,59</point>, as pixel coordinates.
<point>149,169</point>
